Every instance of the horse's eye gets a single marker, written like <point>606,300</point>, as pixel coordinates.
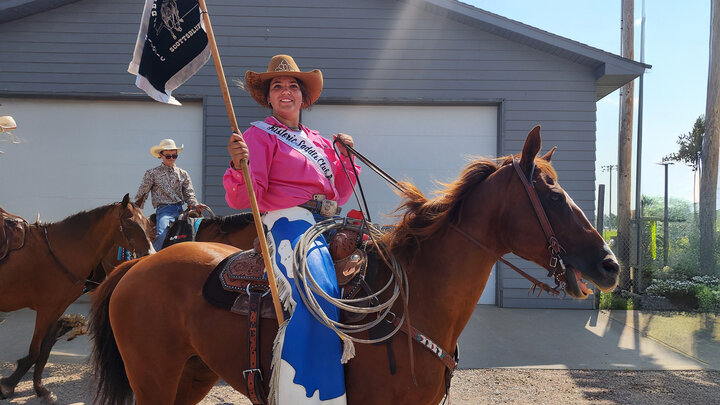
<point>555,197</point>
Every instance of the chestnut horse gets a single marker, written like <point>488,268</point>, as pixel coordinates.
<point>156,337</point>
<point>47,274</point>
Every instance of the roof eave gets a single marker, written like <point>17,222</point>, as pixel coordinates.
<point>15,9</point>
<point>611,71</point>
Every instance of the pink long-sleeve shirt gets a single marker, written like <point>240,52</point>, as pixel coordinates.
<point>283,177</point>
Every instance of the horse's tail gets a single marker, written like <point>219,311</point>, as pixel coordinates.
<point>113,384</point>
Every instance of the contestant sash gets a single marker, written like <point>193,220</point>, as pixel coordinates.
<point>303,144</point>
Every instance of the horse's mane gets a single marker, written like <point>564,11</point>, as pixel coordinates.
<point>82,219</point>
<point>422,217</point>
<point>234,222</point>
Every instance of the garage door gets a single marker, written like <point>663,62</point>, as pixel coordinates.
<point>75,155</point>
<point>421,144</point>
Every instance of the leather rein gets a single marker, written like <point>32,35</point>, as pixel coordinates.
<point>69,274</point>
<point>451,361</point>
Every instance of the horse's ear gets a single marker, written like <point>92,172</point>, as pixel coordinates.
<point>548,156</point>
<point>126,200</point>
<point>530,149</point>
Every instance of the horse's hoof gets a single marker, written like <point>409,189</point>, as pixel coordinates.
<point>49,398</point>
<point>6,391</point>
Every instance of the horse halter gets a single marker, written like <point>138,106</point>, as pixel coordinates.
<point>554,246</point>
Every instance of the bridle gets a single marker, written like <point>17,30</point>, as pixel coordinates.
<point>124,234</point>
<point>556,250</point>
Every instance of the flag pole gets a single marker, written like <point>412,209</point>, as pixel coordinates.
<point>243,163</point>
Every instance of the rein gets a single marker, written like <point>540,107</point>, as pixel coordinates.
<point>535,282</point>
<point>554,246</point>
<point>72,277</point>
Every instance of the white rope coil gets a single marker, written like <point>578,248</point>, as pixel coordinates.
<point>307,285</point>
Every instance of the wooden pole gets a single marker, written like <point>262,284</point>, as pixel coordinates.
<point>711,143</point>
<point>243,165</point>
<point>625,136</point>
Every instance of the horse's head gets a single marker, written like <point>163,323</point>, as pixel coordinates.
<point>566,243</point>
<point>135,228</point>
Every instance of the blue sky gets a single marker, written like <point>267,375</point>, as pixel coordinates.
<point>676,45</point>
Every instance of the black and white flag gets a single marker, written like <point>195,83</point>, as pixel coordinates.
<point>171,46</point>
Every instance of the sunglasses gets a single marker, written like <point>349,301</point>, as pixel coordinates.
<point>174,156</point>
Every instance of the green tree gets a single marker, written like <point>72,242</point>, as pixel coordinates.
<point>690,146</point>
<point>690,151</point>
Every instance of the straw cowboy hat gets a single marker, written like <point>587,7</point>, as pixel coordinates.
<point>165,144</point>
<point>7,123</point>
<point>283,65</point>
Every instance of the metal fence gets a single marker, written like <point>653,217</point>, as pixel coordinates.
<point>654,247</point>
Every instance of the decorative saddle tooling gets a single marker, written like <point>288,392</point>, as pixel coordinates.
<point>13,232</point>
<point>239,284</point>
<point>228,285</point>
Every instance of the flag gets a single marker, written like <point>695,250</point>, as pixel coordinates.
<point>171,46</point>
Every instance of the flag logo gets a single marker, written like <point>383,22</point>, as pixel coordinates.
<point>171,47</point>
<point>170,18</point>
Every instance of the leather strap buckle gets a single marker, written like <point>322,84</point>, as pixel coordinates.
<point>252,370</point>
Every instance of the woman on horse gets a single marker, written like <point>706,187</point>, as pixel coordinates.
<point>171,187</point>
<point>298,179</point>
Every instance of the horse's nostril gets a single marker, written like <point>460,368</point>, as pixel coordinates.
<point>611,265</point>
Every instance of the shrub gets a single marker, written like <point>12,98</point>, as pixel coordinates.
<point>610,301</point>
<point>708,299</point>
<point>699,292</point>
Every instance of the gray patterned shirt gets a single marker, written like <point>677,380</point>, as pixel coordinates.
<point>169,185</point>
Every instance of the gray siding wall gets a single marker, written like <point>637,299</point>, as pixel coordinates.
<point>374,51</point>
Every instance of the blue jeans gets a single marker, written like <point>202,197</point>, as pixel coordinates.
<point>163,215</point>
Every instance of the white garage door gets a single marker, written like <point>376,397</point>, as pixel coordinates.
<point>421,144</point>
<point>75,155</point>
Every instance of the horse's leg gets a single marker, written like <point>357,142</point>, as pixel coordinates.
<point>43,322</point>
<point>155,366</point>
<point>47,344</point>
<point>8,384</point>
<point>196,381</point>
<point>154,379</point>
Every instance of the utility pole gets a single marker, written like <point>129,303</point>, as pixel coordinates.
<point>625,149</point>
<point>638,163</point>
<point>711,143</point>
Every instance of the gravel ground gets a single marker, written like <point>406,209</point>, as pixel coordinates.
<point>70,382</point>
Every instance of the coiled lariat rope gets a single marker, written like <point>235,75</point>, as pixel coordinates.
<point>306,285</point>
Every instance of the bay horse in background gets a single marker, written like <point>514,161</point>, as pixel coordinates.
<point>235,230</point>
<point>155,335</point>
<point>47,274</point>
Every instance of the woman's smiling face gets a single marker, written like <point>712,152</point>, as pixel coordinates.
<point>285,96</point>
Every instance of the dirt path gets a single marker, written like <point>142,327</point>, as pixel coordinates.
<point>71,383</point>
